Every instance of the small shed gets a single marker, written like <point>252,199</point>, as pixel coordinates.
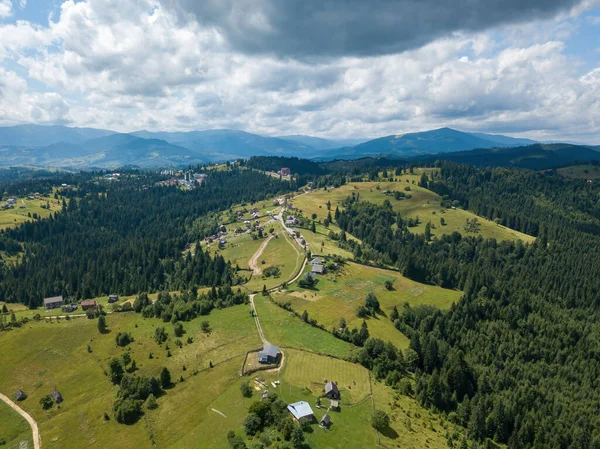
<point>113,298</point>
<point>264,395</point>
<point>334,405</point>
<point>325,421</point>
<point>20,395</point>
<point>331,391</point>
<point>56,396</point>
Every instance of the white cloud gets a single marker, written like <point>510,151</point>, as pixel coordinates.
<point>5,8</point>
<point>134,65</point>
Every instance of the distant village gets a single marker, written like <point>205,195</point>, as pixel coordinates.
<point>188,179</point>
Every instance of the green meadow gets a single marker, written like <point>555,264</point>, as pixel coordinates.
<point>14,430</point>
<point>339,294</point>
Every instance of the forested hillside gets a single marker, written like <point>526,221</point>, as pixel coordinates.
<point>123,237</point>
<point>517,359</point>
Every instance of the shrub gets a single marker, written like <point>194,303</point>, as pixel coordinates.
<point>123,339</point>
<point>380,420</point>
<point>246,389</point>
<point>46,402</point>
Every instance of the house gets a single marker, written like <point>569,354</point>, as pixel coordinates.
<point>316,261</point>
<point>113,298</point>
<point>318,269</point>
<point>20,396</point>
<point>301,410</point>
<point>325,421</point>
<point>334,405</point>
<point>56,396</point>
<point>269,354</point>
<point>331,391</point>
<point>53,302</point>
<point>285,171</point>
<point>90,304</point>
<point>222,243</point>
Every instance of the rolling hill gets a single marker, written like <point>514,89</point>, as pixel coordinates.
<point>535,157</point>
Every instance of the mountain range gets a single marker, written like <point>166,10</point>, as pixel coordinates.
<point>84,148</point>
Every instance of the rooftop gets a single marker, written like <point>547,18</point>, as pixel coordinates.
<point>53,300</point>
<point>269,351</point>
<point>300,409</point>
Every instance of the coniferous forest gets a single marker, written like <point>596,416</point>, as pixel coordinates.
<point>516,360</point>
<point>124,237</point>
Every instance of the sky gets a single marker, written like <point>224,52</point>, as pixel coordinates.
<point>335,68</point>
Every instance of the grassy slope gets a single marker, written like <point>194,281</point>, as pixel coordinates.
<point>424,203</point>
<point>283,328</point>
<point>581,171</point>
<point>59,358</point>
<point>16,216</point>
<point>13,429</point>
<point>339,294</point>
<point>280,252</point>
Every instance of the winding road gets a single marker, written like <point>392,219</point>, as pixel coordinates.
<point>37,441</point>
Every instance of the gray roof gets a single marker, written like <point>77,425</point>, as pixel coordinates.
<point>269,351</point>
<point>330,386</point>
<point>317,268</point>
<point>300,409</point>
<point>53,300</point>
<point>56,396</point>
<point>316,260</point>
<point>326,419</point>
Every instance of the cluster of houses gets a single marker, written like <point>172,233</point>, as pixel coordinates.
<point>54,394</point>
<point>218,237</point>
<point>10,203</point>
<point>291,220</point>
<point>187,179</point>
<point>302,409</point>
<point>55,302</point>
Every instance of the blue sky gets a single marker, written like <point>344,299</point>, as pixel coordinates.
<point>525,68</point>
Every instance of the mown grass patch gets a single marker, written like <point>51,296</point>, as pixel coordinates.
<point>24,210</point>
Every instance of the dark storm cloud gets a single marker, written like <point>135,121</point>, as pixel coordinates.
<point>304,28</point>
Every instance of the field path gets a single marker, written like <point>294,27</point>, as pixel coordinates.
<point>253,263</point>
<point>219,413</point>
<point>259,328</point>
<point>37,441</point>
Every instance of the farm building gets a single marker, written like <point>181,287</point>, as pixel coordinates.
<point>317,268</point>
<point>69,308</point>
<point>334,405</point>
<point>331,391</point>
<point>264,395</point>
<point>91,304</point>
<point>56,396</point>
<point>316,261</point>
<point>20,395</point>
<point>113,298</point>
<point>53,302</point>
<point>301,410</point>
<point>268,354</point>
<point>325,421</point>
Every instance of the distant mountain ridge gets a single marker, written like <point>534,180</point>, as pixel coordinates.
<point>83,148</point>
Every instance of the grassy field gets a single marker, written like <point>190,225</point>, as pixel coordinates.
<point>13,217</point>
<point>282,253</point>
<point>14,430</point>
<point>320,244</point>
<point>59,358</point>
<point>581,171</point>
<point>424,204</point>
<point>308,370</point>
<point>283,328</point>
<point>339,294</point>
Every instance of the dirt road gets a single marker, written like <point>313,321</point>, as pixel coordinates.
<point>254,263</point>
<point>37,441</point>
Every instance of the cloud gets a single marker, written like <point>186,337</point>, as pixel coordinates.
<point>308,28</point>
<point>5,8</point>
<point>135,65</point>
